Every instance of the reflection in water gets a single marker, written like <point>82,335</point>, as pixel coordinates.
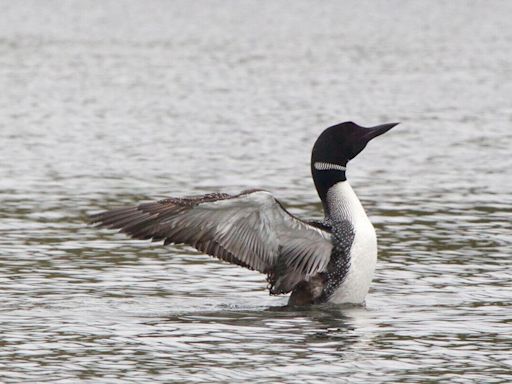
<point>104,106</point>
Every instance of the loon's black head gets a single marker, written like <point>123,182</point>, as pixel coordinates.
<point>335,147</point>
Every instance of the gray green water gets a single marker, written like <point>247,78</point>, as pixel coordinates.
<point>108,103</point>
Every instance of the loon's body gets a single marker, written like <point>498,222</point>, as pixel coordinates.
<point>344,205</point>
<point>328,261</point>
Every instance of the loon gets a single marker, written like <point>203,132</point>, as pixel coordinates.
<point>332,260</point>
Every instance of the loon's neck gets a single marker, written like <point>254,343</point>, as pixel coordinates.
<point>326,175</point>
<point>341,203</point>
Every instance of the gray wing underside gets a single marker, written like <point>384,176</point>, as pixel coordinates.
<point>251,229</point>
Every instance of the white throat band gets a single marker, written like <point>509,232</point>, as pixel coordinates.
<point>320,166</point>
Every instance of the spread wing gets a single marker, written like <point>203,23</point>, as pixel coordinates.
<point>251,229</point>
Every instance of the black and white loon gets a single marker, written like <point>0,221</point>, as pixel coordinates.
<point>317,261</point>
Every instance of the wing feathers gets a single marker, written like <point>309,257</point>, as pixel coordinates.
<point>251,229</point>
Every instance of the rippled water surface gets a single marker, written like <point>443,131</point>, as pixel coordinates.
<point>109,103</point>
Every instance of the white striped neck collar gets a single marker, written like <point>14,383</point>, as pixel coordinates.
<point>322,166</point>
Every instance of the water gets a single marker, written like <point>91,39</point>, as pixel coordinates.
<point>104,104</point>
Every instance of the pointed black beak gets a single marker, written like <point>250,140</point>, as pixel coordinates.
<point>378,130</point>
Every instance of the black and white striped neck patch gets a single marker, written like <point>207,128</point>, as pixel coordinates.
<point>321,166</point>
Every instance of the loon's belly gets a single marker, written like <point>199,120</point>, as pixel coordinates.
<point>344,204</point>
<point>363,259</point>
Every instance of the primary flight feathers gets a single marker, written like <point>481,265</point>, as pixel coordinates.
<point>250,229</point>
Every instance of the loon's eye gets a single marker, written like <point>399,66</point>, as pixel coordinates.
<point>321,166</point>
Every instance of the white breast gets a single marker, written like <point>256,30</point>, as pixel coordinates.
<point>342,203</point>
